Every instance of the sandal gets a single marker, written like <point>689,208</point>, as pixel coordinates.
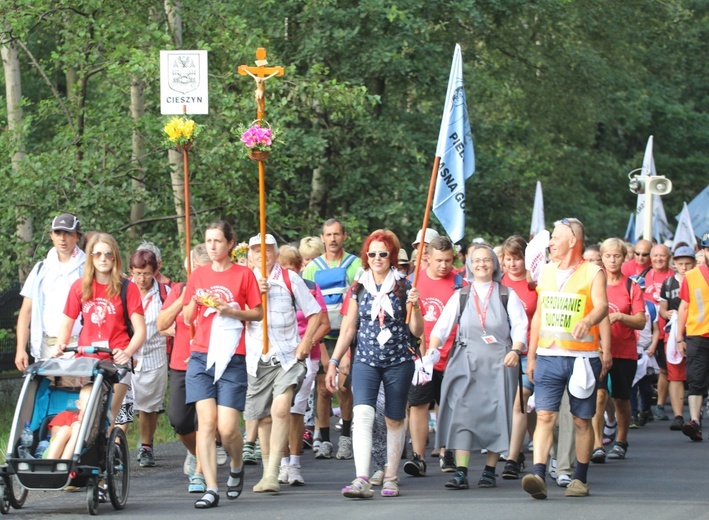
<point>209,499</point>
<point>197,484</point>
<point>598,456</point>
<point>487,480</point>
<point>459,481</point>
<point>390,487</point>
<point>360,488</point>
<point>234,491</point>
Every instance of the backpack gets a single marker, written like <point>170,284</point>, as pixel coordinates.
<point>333,284</point>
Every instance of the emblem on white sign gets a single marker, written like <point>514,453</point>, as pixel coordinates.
<point>184,86</point>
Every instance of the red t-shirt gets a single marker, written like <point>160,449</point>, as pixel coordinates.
<point>528,294</point>
<point>653,287</point>
<point>631,268</point>
<point>181,343</point>
<point>65,418</point>
<point>103,316</point>
<point>434,296</point>
<point>236,284</point>
<point>623,338</point>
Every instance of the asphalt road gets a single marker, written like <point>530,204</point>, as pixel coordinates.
<point>665,476</point>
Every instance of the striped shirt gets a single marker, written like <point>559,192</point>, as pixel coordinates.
<point>153,354</point>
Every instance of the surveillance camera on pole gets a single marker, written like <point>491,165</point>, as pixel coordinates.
<point>649,185</point>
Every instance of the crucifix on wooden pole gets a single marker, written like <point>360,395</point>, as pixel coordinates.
<point>262,72</point>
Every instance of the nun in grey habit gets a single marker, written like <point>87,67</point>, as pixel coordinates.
<point>480,379</point>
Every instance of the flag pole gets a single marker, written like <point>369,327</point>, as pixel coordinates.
<point>426,216</point>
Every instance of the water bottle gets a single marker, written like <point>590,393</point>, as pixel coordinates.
<point>26,440</point>
<point>41,448</point>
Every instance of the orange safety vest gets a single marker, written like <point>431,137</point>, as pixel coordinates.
<point>698,314</point>
<point>561,310</point>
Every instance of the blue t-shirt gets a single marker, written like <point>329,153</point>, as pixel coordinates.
<point>398,348</point>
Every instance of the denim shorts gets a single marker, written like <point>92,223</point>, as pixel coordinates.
<point>396,379</point>
<point>551,379</point>
<point>526,383</point>
<point>229,390</point>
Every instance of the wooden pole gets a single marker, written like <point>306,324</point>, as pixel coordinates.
<point>426,216</point>
<point>262,231</point>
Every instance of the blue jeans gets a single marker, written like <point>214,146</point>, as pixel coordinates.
<point>396,380</point>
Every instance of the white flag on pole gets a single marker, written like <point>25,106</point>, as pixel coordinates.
<point>685,230</point>
<point>537,212</point>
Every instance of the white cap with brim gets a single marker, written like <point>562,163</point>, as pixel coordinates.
<point>255,241</point>
<point>583,380</point>
<point>430,235</point>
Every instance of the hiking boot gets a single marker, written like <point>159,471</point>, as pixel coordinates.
<point>535,486</point>
<point>459,481</point>
<point>644,417</point>
<point>416,467</point>
<point>693,430</point>
<point>147,458</point>
<point>447,462</point>
<point>324,451</point>
<point>618,451</point>
<point>659,413</point>
<point>576,488</point>
<point>248,455</point>
<point>344,449</point>
<point>511,471</point>
<point>677,424</point>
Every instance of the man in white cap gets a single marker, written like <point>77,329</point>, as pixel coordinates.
<point>45,292</point>
<point>429,235</point>
<point>570,337</point>
<point>276,375</point>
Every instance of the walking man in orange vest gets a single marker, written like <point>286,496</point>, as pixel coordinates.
<point>569,347</point>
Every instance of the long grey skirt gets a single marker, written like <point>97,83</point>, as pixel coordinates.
<point>477,396</point>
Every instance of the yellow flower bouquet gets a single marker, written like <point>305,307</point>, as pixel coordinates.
<point>181,132</point>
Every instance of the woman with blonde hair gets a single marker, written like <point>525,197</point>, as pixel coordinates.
<point>96,297</point>
<point>310,247</point>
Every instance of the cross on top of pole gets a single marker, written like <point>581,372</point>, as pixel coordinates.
<point>261,72</point>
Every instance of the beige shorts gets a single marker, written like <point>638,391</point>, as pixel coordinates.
<point>270,382</point>
<point>149,389</point>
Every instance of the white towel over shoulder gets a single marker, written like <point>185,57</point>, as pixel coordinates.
<point>225,337</point>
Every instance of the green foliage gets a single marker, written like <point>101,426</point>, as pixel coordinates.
<point>558,91</point>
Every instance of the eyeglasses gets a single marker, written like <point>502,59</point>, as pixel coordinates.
<point>567,222</point>
<point>142,276</point>
<point>380,254</point>
<point>97,254</point>
<point>637,253</point>
<point>478,261</point>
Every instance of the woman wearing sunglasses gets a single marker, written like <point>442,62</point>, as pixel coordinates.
<point>376,315</point>
<point>96,297</point>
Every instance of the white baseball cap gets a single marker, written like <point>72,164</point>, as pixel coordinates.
<point>255,241</point>
<point>430,235</point>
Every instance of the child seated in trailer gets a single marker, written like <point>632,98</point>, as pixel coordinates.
<point>64,428</point>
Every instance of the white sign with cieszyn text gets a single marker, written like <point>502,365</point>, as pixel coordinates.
<point>184,86</point>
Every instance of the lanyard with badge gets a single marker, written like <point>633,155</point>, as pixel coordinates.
<point>482,314</point>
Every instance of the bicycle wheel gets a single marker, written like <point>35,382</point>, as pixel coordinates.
<point>117,468</point>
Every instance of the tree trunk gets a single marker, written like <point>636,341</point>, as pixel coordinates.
<point>173,10</point>
<point>13,92</point>
<point>137,110</point>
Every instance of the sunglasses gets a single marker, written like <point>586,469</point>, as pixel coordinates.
<point>567,222</point>
<point>642,254</point>
<point>97,254</point>
<point>380,254</point>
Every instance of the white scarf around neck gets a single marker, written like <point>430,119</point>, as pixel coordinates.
<point>380,298</point>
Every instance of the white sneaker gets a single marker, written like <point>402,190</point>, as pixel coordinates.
<point>283,474</point>
<point>294,476</point>
<point>563,480</point>
<point>222,456</point>
<point>324,451</point>
<point>344,449</point>
<point>190,465</point>
<point>552,468</point>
